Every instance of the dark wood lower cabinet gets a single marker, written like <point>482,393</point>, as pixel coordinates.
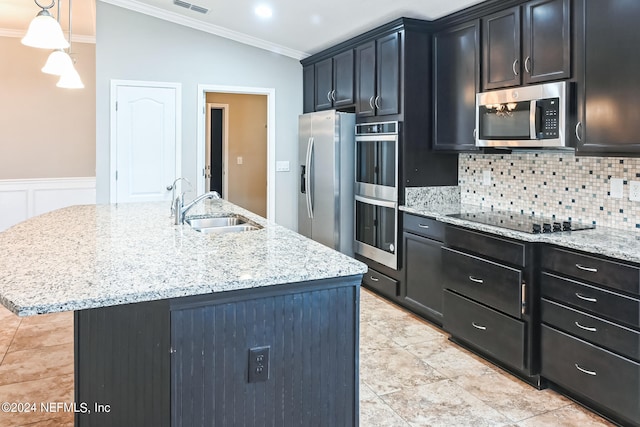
<point>609,383</point>
<point>424,276</point>
<point>492,332</point>
<point>189,361</point>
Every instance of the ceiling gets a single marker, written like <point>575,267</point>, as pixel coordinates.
<point>298,28</point>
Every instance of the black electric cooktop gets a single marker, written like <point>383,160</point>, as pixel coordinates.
<point>523,222</point>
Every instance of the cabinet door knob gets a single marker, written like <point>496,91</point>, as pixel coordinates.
<point>578,126</point>
<point>482,328</point>
<point>377,102</point>
<point>585,370</point>
<point>423,226</point>
<point>475,132</point>
<point>333,95</point>
<point>513,67</point>
<point>371,103</point>
<point>329,96</point>
<point>475,279</point>
<point>527,62</point>
<point>374,279</point>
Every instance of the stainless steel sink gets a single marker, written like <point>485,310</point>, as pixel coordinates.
<point>221,225</point>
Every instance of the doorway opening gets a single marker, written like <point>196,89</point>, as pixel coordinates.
<point>217,148</point>
<point>236,145</point>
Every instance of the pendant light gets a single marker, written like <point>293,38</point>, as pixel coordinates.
<point>44,31</point>
<point>58,61</point>
<point>70,79</point>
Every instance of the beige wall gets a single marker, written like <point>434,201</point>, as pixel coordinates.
<point>45,131</point>
<point>247,139</point>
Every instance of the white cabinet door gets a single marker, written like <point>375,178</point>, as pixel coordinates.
<point>146,145</point>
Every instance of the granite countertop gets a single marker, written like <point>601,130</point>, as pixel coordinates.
<point>621,244</point>
<point>100,255</point>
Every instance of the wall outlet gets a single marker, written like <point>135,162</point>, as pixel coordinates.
<point>634,191</point>
<point>259,364</point>
<point>617,187</point>
<point>486,178</point>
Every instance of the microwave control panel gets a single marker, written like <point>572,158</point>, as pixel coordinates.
<point>550,111</point>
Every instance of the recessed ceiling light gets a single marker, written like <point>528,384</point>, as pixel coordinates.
<point>263,11</point>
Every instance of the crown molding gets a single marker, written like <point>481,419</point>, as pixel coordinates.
<point>76,38</point>
<point>176,18</point>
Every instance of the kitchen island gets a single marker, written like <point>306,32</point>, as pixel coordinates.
<point>176,327</point>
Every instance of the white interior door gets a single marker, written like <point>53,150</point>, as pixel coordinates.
<point>147,129</point>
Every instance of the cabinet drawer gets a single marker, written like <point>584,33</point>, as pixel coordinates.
<point>612,336</point>
<point>492,247</point>
<point>593,299</point>
<point>604,272</point>
<point>424,227</point>
<point>381,283</point>
<point>495,285</point>
<point>597,374</point>
<point>496,334</point>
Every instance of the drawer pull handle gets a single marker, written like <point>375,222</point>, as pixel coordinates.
<point>586,328</point>
<point>582,297</point>
<point>585,370</point>
<point>589,269</point>
<point>423,226</point>
<point>474,279</point>
<point>374,279</point>
<point>482,328</point>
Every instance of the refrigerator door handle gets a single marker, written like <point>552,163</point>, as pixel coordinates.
<point>308,177</point>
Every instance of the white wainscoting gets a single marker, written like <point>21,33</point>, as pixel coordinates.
<point>21,199</point>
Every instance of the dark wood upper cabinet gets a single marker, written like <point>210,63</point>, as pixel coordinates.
<point>334,81</point>
<point>308,91</point>
<point>456,82</point>
<point>387,100</point>
<point>378,77</point>
<point>546,40</point>
<point>324,84</point>
<point>607,64</point>
<point>545,34</point>
<point>365,79</point>
<point>501,65</point>
<point>343,79</point>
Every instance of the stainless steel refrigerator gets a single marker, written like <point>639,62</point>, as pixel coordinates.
<point>326,178</point>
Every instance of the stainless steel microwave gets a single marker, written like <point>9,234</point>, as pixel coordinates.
<point>530,117</point>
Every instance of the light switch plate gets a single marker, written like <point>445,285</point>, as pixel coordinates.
<point>282,166</point>
<point>617,187</point>
<point>634,191</point>
<point>239,160</point>
<point>486,178</point>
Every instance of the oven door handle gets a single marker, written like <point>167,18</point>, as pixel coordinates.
<point>308,178</point>
<point>377,202</point>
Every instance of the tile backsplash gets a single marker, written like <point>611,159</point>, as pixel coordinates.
<point>552,183</point>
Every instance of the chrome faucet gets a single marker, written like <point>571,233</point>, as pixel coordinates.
<point>172,188</point>
<point>181,210</point>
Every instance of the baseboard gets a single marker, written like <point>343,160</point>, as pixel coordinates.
<point>21,199</point>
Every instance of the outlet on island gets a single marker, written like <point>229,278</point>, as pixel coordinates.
<point>259,364</point>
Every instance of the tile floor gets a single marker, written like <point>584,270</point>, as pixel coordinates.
<point>411,375</point>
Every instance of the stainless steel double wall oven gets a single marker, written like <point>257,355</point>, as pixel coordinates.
<point>376,192</point>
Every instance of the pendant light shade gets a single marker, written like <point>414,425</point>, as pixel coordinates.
<point>70,79</point>
<point>58,63</point>
<point>45,32</point>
